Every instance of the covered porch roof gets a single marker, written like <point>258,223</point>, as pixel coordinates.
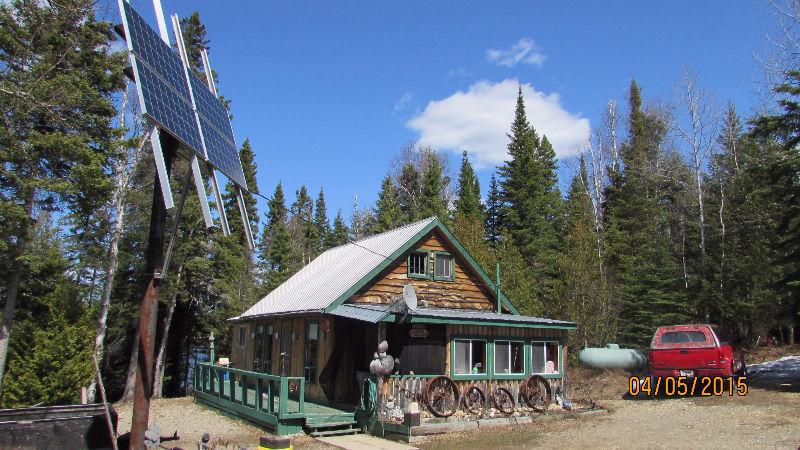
<point>383,313</point>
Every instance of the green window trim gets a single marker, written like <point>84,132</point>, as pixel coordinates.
<point>490,374</point>
<point>525,365</point>
<point>427,274</point>
<point>557,374</point>
<point>452,276</point>
<point>486,364</point>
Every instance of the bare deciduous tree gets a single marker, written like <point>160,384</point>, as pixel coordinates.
<point>695,123</point>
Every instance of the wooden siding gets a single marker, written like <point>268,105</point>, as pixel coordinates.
<point>466,291</point>
<point>242,357</point>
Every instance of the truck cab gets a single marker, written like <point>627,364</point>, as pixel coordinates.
<point>699,350</point>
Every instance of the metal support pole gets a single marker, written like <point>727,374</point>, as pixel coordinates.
<point>497,286</point>
<point>154,257</point>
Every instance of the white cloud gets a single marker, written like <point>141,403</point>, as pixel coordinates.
<point>479,119</point>
<point>524,51</point>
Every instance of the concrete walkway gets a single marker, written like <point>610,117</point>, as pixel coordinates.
<point>364,442</point>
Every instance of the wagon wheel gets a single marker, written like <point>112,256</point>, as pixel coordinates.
<point>474,400</point>
<point>503,401</point>
<point>441,396</point>
<point>536,392</point>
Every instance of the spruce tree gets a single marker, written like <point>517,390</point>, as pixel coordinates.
<point>408,192</point>
<point>339,233</point>
<point>388,214</point>
<point>60,75</point>
<point>302,228</point>
<point>468,203</point>
<point>276,253</point>
<point>249,168</point>
<point>648,275</point>
<point>323,228</point>
<point>433,201</point>
<point>532,202</point>
<point>494,212</point>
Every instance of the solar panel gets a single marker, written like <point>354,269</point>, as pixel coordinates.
<point>217,132</point>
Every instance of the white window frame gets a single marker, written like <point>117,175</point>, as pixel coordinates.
<point>470,365</point>
<point>544,355</point>
<point>494,357</point>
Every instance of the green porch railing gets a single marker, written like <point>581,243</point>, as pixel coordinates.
<point>275,401</point>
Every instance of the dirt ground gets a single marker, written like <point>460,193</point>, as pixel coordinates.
<point>764,418</point>
<point>191,420</point>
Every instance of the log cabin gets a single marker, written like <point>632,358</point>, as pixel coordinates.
<point>322,326</point>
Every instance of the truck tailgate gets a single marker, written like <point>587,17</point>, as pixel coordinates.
<point>684,358</point>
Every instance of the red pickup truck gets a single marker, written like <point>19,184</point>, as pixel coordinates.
<point>694,351</point>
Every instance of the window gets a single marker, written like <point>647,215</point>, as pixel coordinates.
<point>508,358</point>
<point>682,337</point>
<point>443,267</point>
<point>469,357</point>
<point>418,265</point>
<point>312,338</point>
<point>241,336</point>
<point>545,357</point>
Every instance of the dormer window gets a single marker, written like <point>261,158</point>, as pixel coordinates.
<point>444,267</point>
<point>418,265</point>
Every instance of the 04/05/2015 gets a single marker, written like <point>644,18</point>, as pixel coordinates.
<point>687,387</point>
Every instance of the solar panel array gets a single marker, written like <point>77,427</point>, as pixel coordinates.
<point>166,99</point>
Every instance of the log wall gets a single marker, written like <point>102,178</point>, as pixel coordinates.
<point>466,291</point>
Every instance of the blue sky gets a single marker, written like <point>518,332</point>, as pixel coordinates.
<point>329,92</point>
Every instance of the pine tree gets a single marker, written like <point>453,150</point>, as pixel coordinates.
<point>494,212</point>
<point>57,137</point>
<point>408,192</point>
<point>339,234</point>
<point>532,202</point>
<point>388,214</point>
<point>468,203</point>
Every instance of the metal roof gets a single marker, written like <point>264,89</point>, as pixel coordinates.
<point>364,313</point>
<point>484,316</point>
<point>326,278</point>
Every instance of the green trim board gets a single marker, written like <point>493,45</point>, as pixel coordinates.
<point>452,276</point>
<point>426,256</point>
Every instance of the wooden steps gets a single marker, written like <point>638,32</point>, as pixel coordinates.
<point>331,425</point>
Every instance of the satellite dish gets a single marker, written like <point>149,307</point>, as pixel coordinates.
<point>410,296</point>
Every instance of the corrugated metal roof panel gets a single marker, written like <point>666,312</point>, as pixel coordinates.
<point>489,316</point>
<point>365,313</point>
<point>318,284</point>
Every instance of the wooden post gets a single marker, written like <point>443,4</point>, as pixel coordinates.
<point>154,256</point>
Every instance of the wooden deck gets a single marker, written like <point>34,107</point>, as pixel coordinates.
<point>270,401</point>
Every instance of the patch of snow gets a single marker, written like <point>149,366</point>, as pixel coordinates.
<point>785,370</point>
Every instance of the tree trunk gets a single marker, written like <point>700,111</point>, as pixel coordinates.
<point>133,366</point>
<point>122,174</point>
<point>12,287</point>
<point>158,381</point>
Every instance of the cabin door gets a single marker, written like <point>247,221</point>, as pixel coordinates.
<point>286,348</point>
<point>262,348</point>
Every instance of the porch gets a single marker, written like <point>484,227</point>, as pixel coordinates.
<point>273,402</point>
